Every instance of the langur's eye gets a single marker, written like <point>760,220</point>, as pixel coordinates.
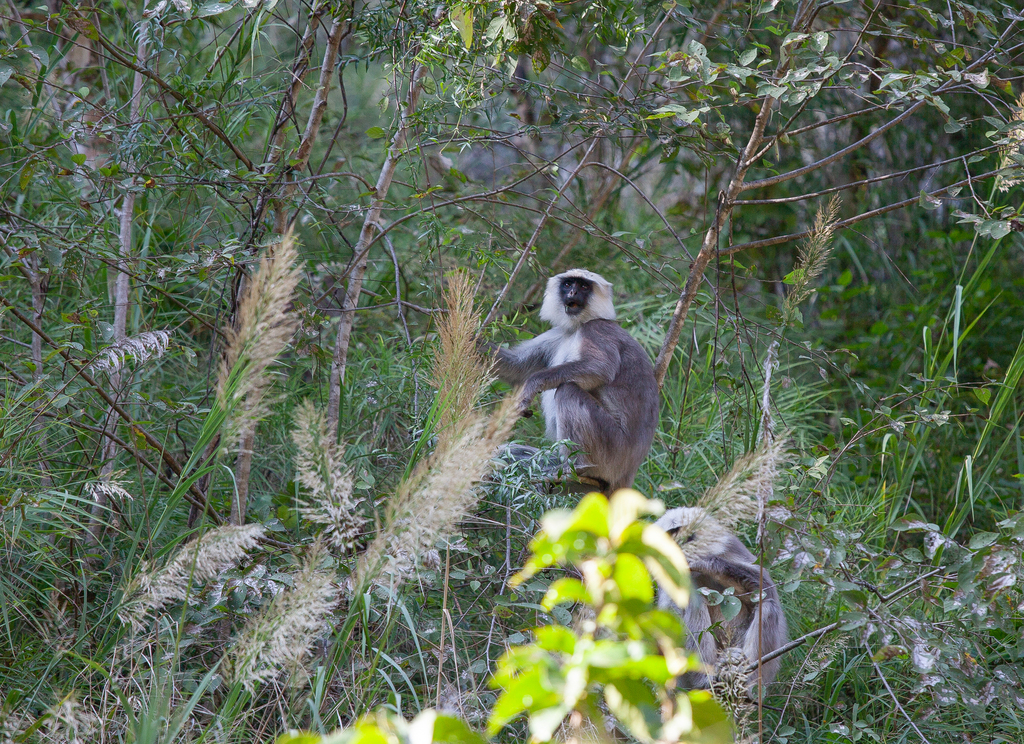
<point>690,538</point>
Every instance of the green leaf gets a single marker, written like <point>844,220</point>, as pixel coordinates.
<point>982,540</point>
<point>666,563</point>
<point>634,706</point>
<point>566,590</point>
<point>375,133</point>
<point>851,620</point>
<point>461,17</point>
<point>747,57</point>
<point>299,737</point>
<point>79,158</point>
<point>5,72</point>
<point>580,63</point>
<point>624,508</point>
<point>211,9</point>
<point>913,524</point>
<point>983,394</point>
<point>526,692</point>
<point>794,277</point>
<point>714,725</point>
<point>730,607</point>
<point>445,729</point>
<point>856,597</point>
<point>590,515</point>
<point>556,638</point>
<point>632,579</point>
<point>26,175</point>
<point>688,116</point>
<point>40,54</point>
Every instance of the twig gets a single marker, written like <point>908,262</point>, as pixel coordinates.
<point>778,239</point>
<point>797,642</point>
<point>895,700</point>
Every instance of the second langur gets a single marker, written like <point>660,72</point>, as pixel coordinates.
<point>718,561</point>
<point>596,382</point>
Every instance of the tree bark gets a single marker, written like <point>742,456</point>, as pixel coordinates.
<point>362,251</point>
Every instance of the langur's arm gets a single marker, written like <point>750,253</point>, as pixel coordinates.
<point>598,365</point>
<point>746,577</point>
<point>515,365</point>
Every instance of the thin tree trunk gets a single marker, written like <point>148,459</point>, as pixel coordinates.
<point>362,250</point>
<point>122,291</point>
<point>300,68</point>
<point>39,285</point>
<point>709,246</point>
<point>243,463</point>
<point>316,117</point>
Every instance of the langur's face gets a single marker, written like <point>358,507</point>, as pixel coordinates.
<point>575,292</point>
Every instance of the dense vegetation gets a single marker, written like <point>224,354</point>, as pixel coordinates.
<point>245,440</point>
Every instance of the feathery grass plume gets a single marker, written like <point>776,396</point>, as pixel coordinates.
<point>1013,150</point>
<point>437,495</point>
<point>320,469</point>
<point>264,328</point>
<point>141,348</point>
<point>111,488</point>
<point>198,561</point>
<point>279,638</point>
<point>458,371</point>
<point>71,722</point>
<point>812,259</point>
<point>735,496</point>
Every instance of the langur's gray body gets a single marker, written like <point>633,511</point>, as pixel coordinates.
<point>596,382</point>
<point>718,560</point>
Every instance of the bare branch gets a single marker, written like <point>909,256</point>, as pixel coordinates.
<point>778,239</point>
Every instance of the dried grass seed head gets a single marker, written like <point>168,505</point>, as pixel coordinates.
<point>437,496</point>
<point>321,470</point>
<point>813,257</point>
<point>139,348</point>
<point>279,639</point>
<point>458,371</point>
<point>195,563</point>
<point>264,328</point>
<point>735,496</point>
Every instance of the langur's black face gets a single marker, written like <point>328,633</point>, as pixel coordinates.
<point>575,293</point>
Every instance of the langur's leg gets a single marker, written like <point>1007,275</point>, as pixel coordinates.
<point>585,421</point>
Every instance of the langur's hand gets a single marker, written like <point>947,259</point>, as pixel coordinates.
<point>485,348</point>
<point>526,395</point>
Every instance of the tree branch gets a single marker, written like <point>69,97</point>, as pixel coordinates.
<point>778,239</point>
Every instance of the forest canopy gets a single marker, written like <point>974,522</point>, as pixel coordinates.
<point>249,250</point>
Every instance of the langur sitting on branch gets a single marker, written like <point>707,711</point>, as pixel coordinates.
<point>596,383</point>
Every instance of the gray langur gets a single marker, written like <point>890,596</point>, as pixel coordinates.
<point>718,561</point>
<point>596,382</point>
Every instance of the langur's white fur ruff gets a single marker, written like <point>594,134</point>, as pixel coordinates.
<point>600,305</point>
